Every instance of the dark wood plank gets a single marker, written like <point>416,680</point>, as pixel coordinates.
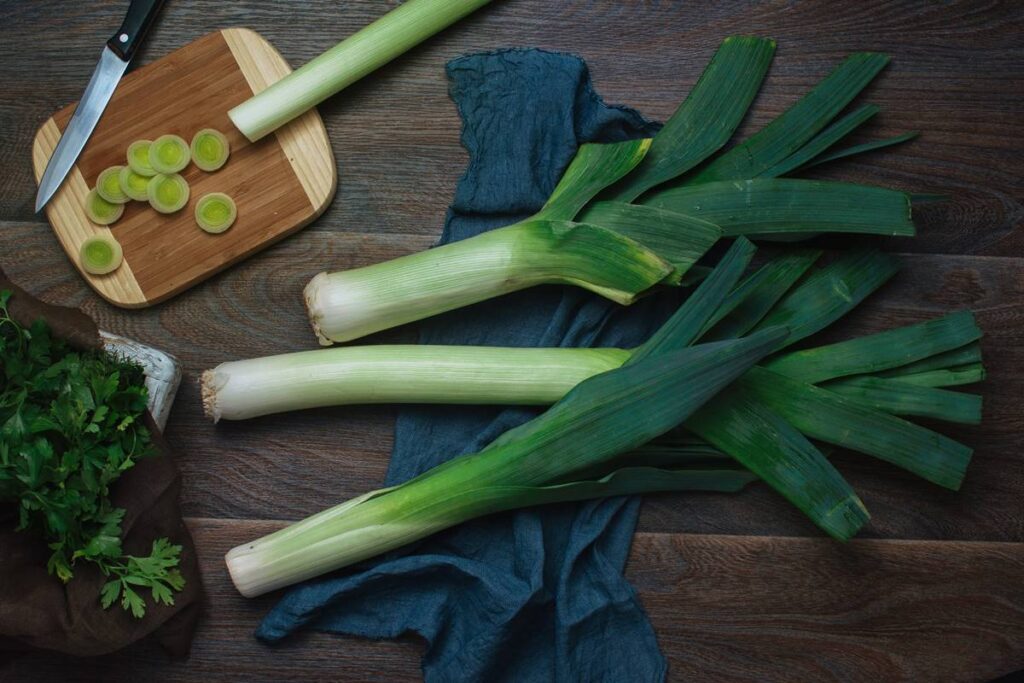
<point>289,466</point>
<point>726,608</point>
<point>957,75</point>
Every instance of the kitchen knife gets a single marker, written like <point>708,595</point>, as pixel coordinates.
<point>113,62</point>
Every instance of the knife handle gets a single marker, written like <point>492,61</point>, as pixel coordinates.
<point>141,14</point>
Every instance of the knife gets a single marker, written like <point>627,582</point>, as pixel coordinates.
<point>113,62</point>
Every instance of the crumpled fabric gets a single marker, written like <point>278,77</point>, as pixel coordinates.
<point>536,594</point>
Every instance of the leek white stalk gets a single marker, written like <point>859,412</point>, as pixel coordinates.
<point>243,389</point>
<point>350,304</point>
<point>357,56</point>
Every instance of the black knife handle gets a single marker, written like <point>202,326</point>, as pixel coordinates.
<point>141,14</point>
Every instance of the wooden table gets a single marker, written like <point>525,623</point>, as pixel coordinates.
<point>738,587</point>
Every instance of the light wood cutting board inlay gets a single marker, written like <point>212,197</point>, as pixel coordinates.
<point>280,184</point>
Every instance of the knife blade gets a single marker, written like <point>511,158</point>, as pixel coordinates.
<point>113,63</point>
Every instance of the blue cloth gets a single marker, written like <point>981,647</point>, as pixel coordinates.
<point>537,594</point>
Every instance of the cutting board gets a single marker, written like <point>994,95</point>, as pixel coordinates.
<point>279,184</point>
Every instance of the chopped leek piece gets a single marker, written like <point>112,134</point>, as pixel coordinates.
<point>360,54</point>
<point>215,212</point>
<point>100,255</point>
<point>138,158</point>
<point>210,149</point>
<point>100,211</point>
<point>133,184</point>
<point>169,154</point>
<point>167,193</point>
<point>108,185</point>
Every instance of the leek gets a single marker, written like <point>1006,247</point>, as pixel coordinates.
<point>134,185</point>
<point>108,186</point>
<point>351,304</point>
<point>138,158</point>
<point>169,154</point>
<point>167,193</point>
<point>399,374</point>
<point>100,255</point>
<point>528,465</point>
<point>100,211</point>
<point>210,149</point>
<point>357,56</point>
<point>674,195</point>
<point>215,212</point>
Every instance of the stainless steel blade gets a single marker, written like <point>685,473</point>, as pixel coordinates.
<point>94,100</point>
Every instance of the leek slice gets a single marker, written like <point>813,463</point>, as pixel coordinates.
<point>100,211</point>
<point>169,154</point>
<point>210,149</point>
<point>108,185</point>
<point>134,184</point>
<point>100,255</point>
<point>167,193</point>
<point>138,158</point>
<point>215,212</point>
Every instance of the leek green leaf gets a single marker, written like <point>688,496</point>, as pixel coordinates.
<point>707,118</point>
<point>794,128</point>
<point>860,149</point>
<point>827,416</point>
<point>788,205</point>
<point>757,294</point>
<point>948,377</point>
<point>900,398</point>
<point>680,240</point>
<point>595,167</point>
<point>767,445</point>
<point>965,355</point>
<point>830,293</point>
<point>821,142</point>
<point>686,323</point>
<point>881,351</point>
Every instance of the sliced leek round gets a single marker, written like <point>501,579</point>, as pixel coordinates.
<point>169,154</point>
<point>167,193</point>
<point>100,255</point>
<point>100,211</point>
<point>138,158</point>
<point>215,212</point>
<point>210,149</point>
<point>108,185</point>
<point>133,184</point>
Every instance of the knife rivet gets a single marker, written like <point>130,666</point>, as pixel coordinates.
<point>123,37</point>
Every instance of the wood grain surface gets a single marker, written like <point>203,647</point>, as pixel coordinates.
<point>739,587</point>
<point>279,184</point>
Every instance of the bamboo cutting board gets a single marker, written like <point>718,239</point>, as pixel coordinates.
<point>279,184</point>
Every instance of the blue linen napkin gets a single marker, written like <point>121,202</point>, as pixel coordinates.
<point>538,594</point>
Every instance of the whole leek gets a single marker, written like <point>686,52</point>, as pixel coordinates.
<point>673,195</point>
<point>357,56</point>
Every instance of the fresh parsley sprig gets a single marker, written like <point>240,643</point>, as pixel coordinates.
<point>71,423</point>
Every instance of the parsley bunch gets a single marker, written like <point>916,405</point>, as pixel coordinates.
<point>71,423</point>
